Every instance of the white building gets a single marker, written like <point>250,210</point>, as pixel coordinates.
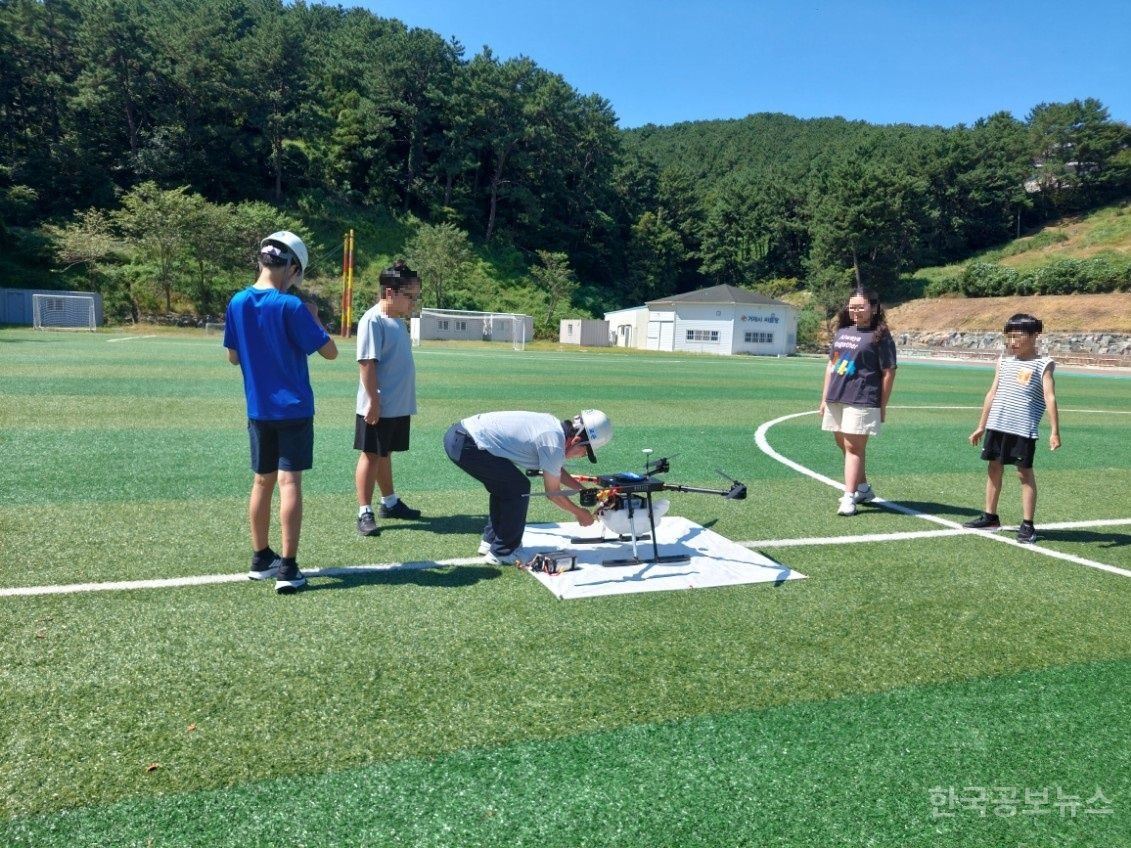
<point>451,324</point>
<point>587,332</point>
<point>628,327</point>
<point>721,320</point>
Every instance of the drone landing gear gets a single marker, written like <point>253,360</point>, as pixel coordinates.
<point>635,559</point>
<point>579,540</point>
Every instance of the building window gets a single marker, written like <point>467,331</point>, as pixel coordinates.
<point>461,326</point>
<point>759,338</point>
<point>443,324</point>
<point>703,336</point>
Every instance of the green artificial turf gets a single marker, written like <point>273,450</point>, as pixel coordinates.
<point>420,697</point>
<point>1031,759</point>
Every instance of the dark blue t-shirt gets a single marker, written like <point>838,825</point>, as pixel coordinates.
<point>273,333</point>
<point>858,366</point>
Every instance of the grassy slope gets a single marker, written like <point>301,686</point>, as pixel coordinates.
<point>1104,231</point>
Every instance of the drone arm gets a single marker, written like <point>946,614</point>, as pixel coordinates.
<point>736,492</point>
<point>553,484</point>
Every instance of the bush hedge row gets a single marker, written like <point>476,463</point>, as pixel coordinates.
<point>1097,275</point>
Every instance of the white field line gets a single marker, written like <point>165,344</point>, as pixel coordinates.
<point>764,446</point>
<point>917,534</point>
<point>1088,411</point>
<point>849,540</point>
<point>212,579</point>
<point>542,356</point>
<point>130,338</point>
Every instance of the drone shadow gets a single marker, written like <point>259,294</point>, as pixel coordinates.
<point>682,547</point>
<point>639,576</point>
<point>939,510</point>
<point>434,576</point>
<point>1103,540</point>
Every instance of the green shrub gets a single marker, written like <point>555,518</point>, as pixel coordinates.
<point>942,286</point>
<point>984,279</point>
<point>1084,276</point>
<point>809,324</point>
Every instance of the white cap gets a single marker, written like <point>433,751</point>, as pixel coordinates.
<point>597,429</point>
<point>292,242</point>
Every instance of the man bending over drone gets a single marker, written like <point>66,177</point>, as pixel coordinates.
<point>491,447</point>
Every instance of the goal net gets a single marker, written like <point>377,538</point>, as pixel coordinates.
<point>511,328</point>
<point>63,311</point>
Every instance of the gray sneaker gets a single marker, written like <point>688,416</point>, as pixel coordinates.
<point>367,525</point>
<point>399,510</point>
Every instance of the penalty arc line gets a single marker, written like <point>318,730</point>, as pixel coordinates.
<point>915,534</point>
<point>764,446</point>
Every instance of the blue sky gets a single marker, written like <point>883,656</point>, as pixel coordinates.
<point>920,62</point>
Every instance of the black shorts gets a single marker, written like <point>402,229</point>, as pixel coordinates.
<point>287,445</point>
<point>1008,449</point>
<point>389,434</point>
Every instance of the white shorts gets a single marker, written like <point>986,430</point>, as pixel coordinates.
<point>854,420</point>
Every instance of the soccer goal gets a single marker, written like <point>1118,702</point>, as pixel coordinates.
<point>212,328</point>
<point>63,311</point>
<point>511,328</point>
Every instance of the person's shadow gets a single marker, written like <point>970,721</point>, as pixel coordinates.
<point>443,524</point>
<point>957,513</point>
<point>429,576</point>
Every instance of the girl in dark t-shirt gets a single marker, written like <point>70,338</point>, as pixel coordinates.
<point>857,386</point>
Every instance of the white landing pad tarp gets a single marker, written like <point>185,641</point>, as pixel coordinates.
<point>714,560</point>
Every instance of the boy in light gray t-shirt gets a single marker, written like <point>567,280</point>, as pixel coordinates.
<point>386,396</point>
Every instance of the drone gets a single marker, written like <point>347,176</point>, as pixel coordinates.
<point>624,498</point>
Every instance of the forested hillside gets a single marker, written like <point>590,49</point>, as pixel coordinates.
<point>144,144</point>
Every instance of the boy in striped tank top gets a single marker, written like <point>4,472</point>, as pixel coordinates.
<point>1022,390</point>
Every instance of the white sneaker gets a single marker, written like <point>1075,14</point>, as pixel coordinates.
<point>484,547</point>
<point>865,493</point>
<point>515,557</point>
<point>847,505</point>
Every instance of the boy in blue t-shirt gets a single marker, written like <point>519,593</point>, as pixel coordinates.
<point>269,333</point>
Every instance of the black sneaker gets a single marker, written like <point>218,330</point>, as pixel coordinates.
<point>367,525</point>
<point>398,510</point>
<point>264,565</point>
<point>289,579</point>
<point>985,521</point>
<point>1026,533</point>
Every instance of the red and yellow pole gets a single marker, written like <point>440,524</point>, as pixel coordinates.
<point>347,285</point>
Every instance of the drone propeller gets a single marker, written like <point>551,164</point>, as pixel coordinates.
<point>737,490</point>
<point>657,466</point>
